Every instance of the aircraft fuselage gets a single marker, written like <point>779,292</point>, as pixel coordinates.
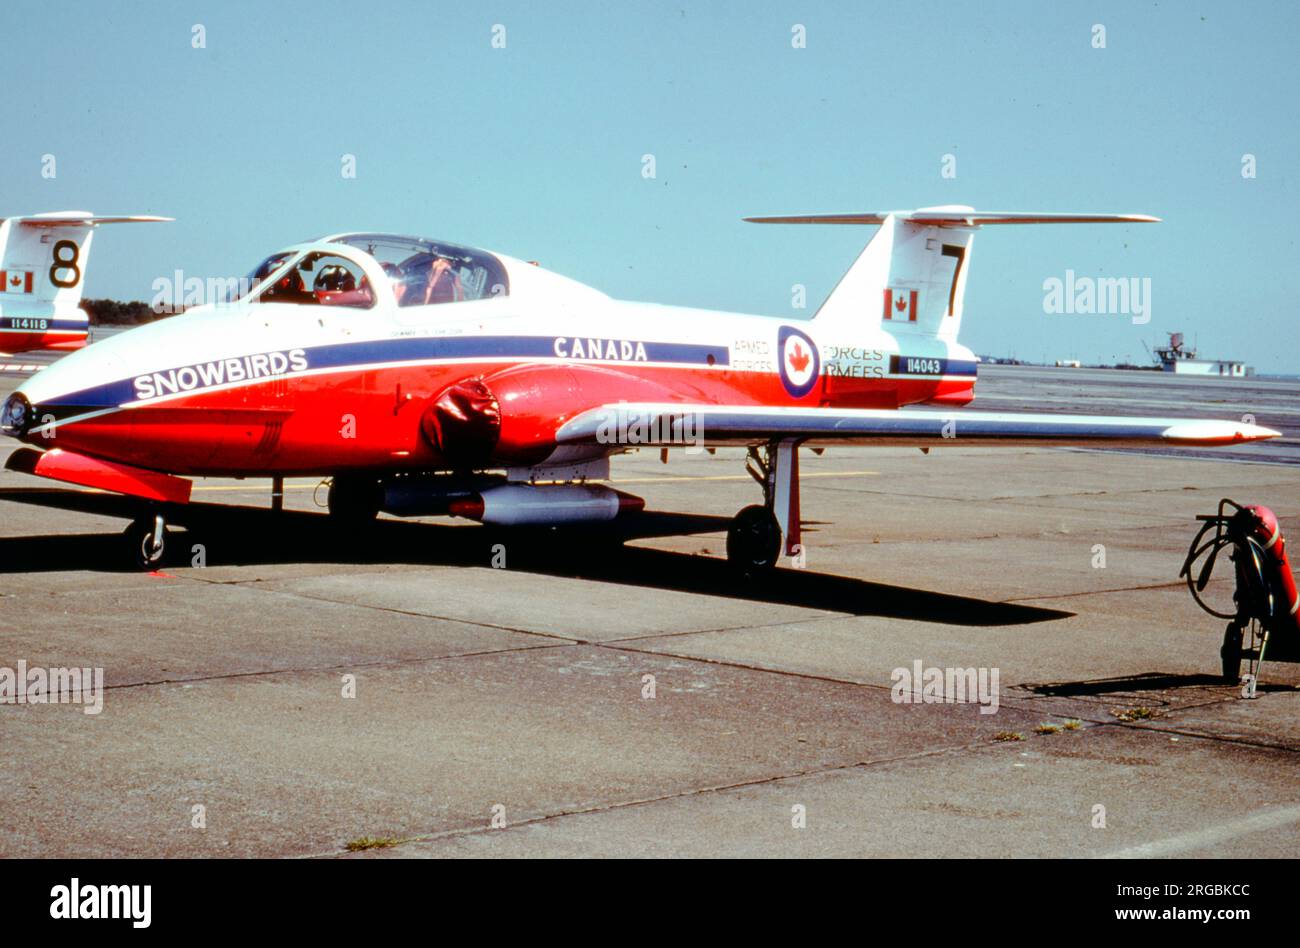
<point>266,389</point>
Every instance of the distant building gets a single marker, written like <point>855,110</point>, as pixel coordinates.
<point>1176,357</point>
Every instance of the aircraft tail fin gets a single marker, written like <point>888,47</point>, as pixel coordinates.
<point>911,277</point>
<point>42,269</point>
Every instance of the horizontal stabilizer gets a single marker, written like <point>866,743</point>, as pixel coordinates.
<point>670,425</point>
<point>911,277</point>
<point>85,219</point>
<point>958,216</point>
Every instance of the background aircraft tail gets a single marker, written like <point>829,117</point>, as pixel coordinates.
<point>42,269</point>
<point>911,277</point>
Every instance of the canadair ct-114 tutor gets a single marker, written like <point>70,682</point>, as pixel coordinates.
<point>426,378</point>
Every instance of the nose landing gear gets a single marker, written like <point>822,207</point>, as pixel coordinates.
<point>759,534</point>
<point>146,541</point>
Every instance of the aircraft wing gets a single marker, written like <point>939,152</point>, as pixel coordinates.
<point>668,425</point>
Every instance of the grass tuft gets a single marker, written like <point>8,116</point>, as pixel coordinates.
<point>371,842</point>
<point>1134,714</point>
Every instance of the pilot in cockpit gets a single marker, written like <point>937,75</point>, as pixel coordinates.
<point>336,285</point>
<point>430,278</point>
<point>424,279</point>
<point>335,279</point>
<point>444,283</point>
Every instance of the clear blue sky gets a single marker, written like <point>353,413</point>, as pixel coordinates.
<point>535,150</point>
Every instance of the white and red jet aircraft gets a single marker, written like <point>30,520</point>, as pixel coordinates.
<point>425,377</point>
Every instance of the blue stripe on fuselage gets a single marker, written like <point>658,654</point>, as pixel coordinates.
<point>426,349</point>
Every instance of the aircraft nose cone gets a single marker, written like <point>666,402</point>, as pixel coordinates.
<point>16,416</point>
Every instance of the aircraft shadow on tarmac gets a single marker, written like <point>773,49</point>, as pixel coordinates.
<point>245,536</point>
<point>1132,684</point>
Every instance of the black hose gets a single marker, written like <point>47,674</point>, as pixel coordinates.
<point>1223,536</point>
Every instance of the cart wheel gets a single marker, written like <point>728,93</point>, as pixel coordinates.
<point>1230,653</point>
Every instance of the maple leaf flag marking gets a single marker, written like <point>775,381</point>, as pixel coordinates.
<point>900,304</point>
<point>16,281</point>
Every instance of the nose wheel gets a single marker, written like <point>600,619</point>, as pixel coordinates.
<point>146,542</point>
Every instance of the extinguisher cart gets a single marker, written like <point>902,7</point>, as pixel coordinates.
<point>1265,624</point>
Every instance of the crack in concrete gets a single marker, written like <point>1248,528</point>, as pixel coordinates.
<point>596,809</point>
<point>1177,584</point>
<point>646,801</point>
<point>312,669</point>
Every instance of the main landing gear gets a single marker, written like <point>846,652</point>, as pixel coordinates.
<point>760,533</point>
<point>354,501</point>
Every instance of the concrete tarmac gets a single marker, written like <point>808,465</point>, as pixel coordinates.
<point>586,700</point>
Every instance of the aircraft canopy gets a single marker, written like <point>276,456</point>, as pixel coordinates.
<point>420,272</point>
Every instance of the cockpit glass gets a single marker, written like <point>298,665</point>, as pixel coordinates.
<point>319,279</point>
<point>424,272</point>
<point>265,268</point>
<point>253,281</point>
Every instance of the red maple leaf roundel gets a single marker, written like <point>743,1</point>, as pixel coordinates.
<point>799,358</point>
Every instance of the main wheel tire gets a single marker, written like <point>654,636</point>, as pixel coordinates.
<point>754,540</point>
<point>1230,653</point>
<point>354,501</point>
<point>146,544</point>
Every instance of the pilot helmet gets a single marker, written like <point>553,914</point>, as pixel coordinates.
<point>335,278</point>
